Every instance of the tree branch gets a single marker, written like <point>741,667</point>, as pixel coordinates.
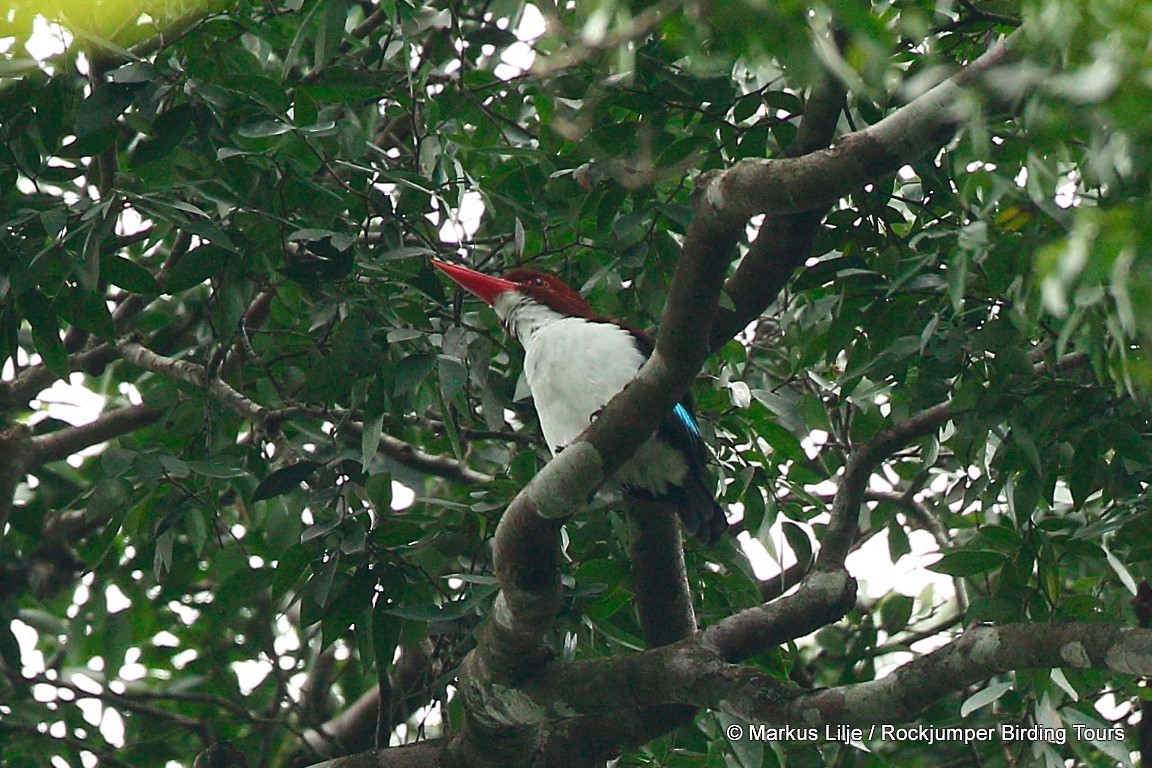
<point>354,729</point>
<point>35,380</point>
<point>818,179</point>
<point>693,672</point>
<point>822,598</point>
<point>981,652</point>
<point>423,754</point>
<point>862,462</point>
<point>440,466</point>
<point>194,374</point>
<point>784,242</point>
<point>663,599</point>
<point>63,443</point>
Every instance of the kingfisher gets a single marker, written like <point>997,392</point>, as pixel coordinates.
<point>575,361</point>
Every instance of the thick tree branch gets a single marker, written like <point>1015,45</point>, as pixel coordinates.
<point>423,754</point>
<point>663,599</point>
<point>978,654</point>
<point>693,672</point>
<point>823,598</point>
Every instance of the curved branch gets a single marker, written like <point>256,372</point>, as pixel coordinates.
<point>35,380</point>
<point>526,548</point>
<point>823,597</point>
<point>862,462</point>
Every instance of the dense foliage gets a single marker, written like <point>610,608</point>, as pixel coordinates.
<point>225,232</point>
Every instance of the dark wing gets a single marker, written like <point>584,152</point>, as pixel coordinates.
<point>678,428</point>
<point>695,502</point>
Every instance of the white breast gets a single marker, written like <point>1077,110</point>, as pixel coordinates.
<point>574,367</point>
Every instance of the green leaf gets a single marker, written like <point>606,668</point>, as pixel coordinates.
<point>379,488</point>
<point>348,606</point>
<point>984,697</point>
<point>45,332</point>
<point>215,469</point>
<point>127,274</point>
<point>340,84</point>
<point>798,540</point>
<point>175,467</point>
<point>1085,467</point>
<point>370,439</point>
<point>290,566</point>
<point>264,129</point>
<point>116,461</point>
<point>895,611</point>
<point>86,310</point>
<point>107,102</point>
<point>195,267</point>
<point>285,479</point>
<point>968,562</point>
<point>166,134</point>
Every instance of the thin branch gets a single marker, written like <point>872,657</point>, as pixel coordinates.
<point>106,757</point>
<point>194,374</point>
<point>994,18</point>
<point>354,728</point>
<point>440,466</point>
<point>863,461</point>
<point>923,518</point>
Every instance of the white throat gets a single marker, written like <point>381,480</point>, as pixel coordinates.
<point>524,317</point>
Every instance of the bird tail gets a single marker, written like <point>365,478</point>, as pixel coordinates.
<point>701,515</point>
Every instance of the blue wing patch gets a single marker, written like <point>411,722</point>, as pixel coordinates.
<point>685,418</point>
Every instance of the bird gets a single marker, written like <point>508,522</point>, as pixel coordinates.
<point>575,361</point>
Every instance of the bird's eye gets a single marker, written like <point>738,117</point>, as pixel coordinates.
<point>537,281</point>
